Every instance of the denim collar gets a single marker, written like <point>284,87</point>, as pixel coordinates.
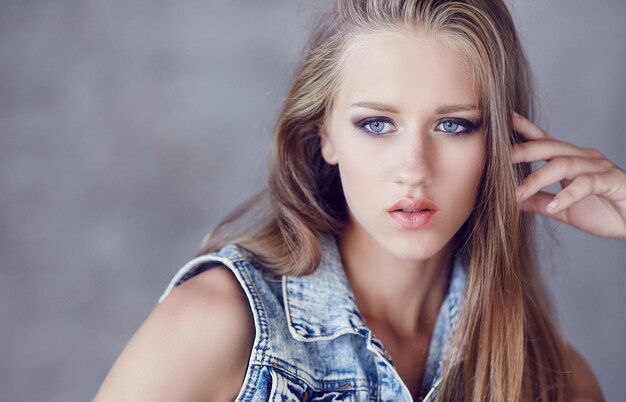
<point>321,306</point>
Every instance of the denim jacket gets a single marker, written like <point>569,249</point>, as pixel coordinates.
<point>311,342</point>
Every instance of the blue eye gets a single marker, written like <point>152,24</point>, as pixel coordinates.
<point>457,126</point>
<point>452,126</point>
<point>375,126</point>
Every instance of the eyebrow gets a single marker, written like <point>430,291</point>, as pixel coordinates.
<point>376,106</point>
<point>445,109</point>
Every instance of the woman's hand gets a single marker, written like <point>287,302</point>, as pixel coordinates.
<point>593,195</point>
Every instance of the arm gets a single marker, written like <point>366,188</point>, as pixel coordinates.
<point>194,346</point>
<point>584,385</point>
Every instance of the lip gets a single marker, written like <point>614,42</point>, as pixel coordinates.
<point>413,213</point>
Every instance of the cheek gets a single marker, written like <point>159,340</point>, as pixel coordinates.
<point>362,169</point>
<point>356,168</point>
<point>463,168</point>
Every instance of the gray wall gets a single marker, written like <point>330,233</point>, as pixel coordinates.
<point>128,128</point>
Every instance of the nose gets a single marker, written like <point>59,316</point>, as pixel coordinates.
<point>415,161</point>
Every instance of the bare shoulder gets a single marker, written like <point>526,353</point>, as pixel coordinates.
<point>584,385</point>
<point>195,345</point>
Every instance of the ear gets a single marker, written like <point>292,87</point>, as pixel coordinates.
<point>327,147</point>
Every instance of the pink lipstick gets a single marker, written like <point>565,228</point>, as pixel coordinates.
<point>413,213</point>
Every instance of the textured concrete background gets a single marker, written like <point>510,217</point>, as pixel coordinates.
<point>128,128</point>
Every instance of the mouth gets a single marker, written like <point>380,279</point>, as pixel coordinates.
<point>413,205</point>
<point>413,213</point>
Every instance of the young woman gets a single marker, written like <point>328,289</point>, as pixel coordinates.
<point>395,258</point>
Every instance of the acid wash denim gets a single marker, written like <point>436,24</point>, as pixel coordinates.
<point>311,342</point>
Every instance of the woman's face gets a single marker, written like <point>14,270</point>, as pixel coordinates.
<point>405,126</point>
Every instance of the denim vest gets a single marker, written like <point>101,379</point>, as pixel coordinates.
<point>311,342</point>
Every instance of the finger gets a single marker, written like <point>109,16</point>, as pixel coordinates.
<point>579,188</point>
<point>537,204</point>
<point>549,148</point>
<point>560,169</point>
<point>527,129</point>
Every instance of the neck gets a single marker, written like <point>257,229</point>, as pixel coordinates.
<point>402,295</point>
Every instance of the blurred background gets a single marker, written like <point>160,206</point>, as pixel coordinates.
<point>129,128</point>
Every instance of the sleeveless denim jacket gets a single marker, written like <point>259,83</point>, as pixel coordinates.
<point>311,342</point>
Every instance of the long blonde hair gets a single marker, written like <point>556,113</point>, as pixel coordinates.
<point>505,346</point>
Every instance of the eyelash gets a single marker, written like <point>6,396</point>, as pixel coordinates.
<point>468,125</point>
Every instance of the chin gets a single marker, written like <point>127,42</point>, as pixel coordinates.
<point>414,250</point>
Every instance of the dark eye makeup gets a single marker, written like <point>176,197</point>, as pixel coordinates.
<point>374,125</point>
<point>452,124</point>
<point>452,127</point>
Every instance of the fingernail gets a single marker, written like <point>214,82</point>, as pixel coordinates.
<point>553,204</point>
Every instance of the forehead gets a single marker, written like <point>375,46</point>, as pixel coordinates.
<point>410,69</point>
